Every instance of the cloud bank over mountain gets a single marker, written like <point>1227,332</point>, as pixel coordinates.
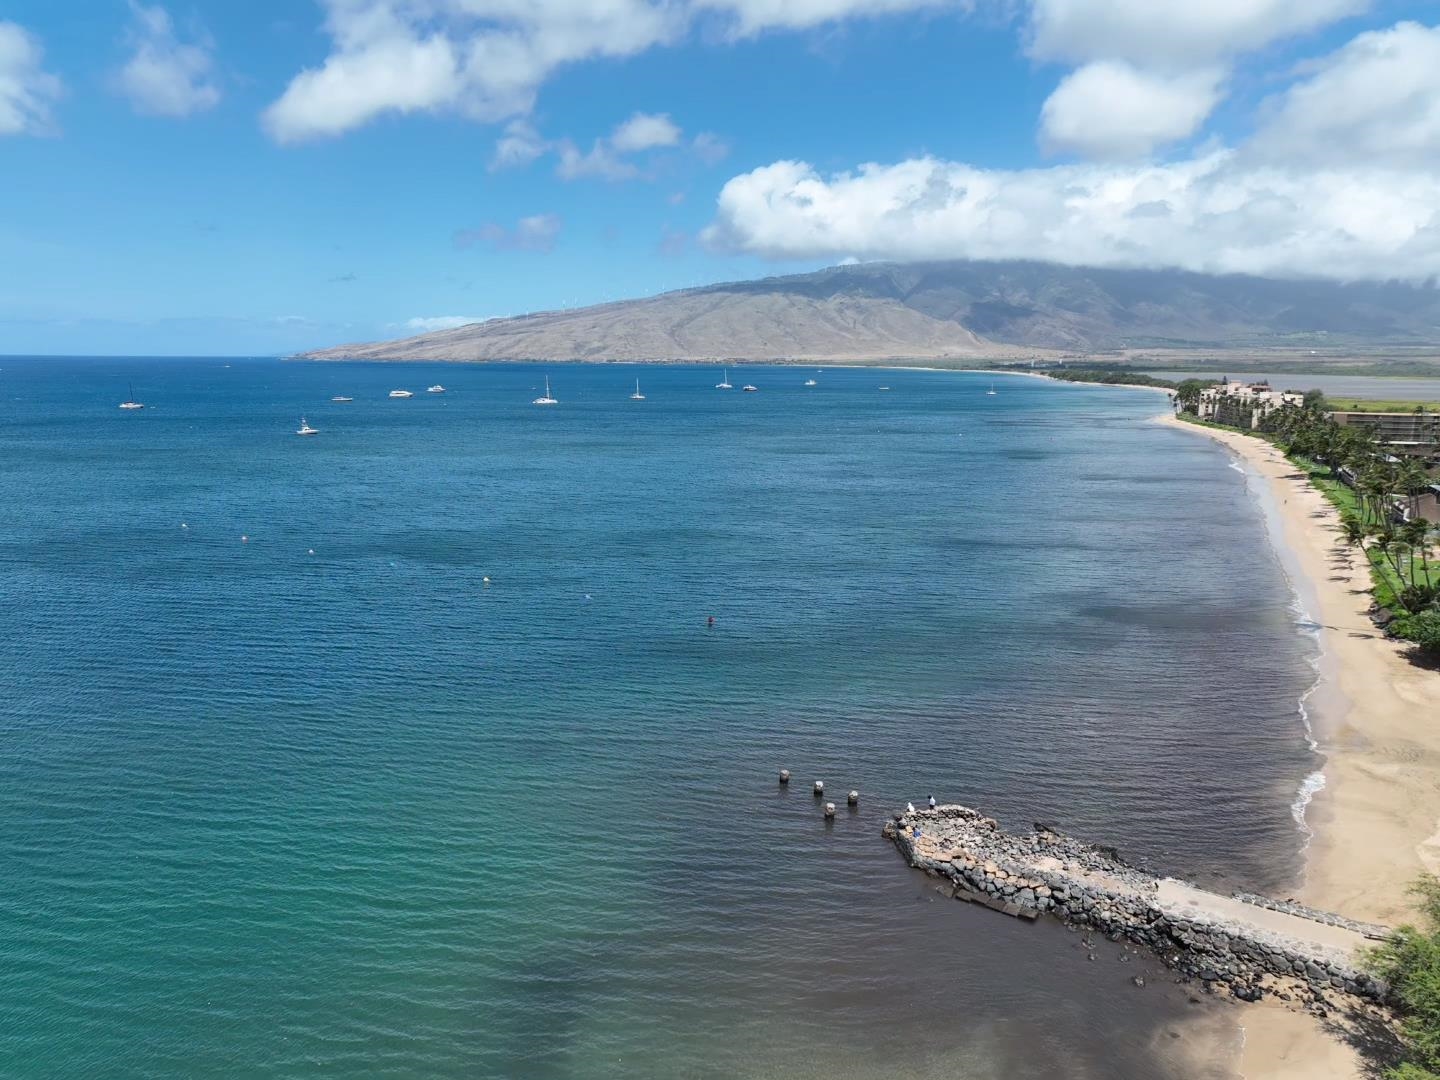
<point>1338,180</point>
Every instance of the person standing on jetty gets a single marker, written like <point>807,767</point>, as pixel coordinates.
<point>932,802</point>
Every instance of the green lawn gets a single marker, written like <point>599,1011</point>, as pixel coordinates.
<point>1367,405</point>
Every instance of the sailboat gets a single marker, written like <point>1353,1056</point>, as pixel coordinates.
<point>811,382</point>
<point>306,429</point>
<point>725,383</point>
<point>130,402</point>
<point>991,391</point>
<point>547,399</point>
<point>637,395</point>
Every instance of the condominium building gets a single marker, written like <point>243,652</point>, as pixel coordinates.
<point>1243,404</point>
<point>1413,433</point>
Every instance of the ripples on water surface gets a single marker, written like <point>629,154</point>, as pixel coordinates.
<point>265,813</point>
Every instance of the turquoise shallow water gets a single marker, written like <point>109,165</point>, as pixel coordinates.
<point>274,814</point>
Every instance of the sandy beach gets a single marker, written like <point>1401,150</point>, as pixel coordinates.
<point>1376,822</point>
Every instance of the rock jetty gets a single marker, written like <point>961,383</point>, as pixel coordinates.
<point>1244,942</point>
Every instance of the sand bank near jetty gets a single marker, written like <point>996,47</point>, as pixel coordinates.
<point>1376,822</point>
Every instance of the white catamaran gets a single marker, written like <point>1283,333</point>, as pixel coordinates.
<point>547,399</point>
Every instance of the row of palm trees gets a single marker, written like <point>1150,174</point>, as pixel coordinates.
<point>1383,483</point>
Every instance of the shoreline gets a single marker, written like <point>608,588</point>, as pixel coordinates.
<point>1372,819</point>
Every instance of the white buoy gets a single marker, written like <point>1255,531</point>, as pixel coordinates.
<point>485,581</point>
<point>310,552</point>
<point>244,539</point>
<point>853,798</point>
<point>784,776</point>
<point>819,788</point>
<point>829,809</point>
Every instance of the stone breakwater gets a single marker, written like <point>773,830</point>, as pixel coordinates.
<point>1247,943</point>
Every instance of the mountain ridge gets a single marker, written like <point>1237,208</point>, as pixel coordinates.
<point>942,310</point>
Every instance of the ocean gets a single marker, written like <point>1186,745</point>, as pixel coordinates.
<point>288,789</point>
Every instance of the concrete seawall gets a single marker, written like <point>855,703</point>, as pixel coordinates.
<point>1247,943</point>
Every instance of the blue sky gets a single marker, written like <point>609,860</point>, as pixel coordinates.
<point>215,177</point>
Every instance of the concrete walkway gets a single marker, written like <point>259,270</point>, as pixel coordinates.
<point>1240,940</point>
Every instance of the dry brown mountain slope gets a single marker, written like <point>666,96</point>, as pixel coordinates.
<point>697,325</point>
<point>886,311</point>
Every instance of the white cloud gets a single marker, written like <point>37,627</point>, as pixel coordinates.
<point>1109,109</point>
<point>1173,34</point>
<point>536,233</point>
<point>486,59</point>
<point>600,163</point>
<point>1153,71</point>
<point>483,58</point>
<point>165,76</point>
<point>750,17</point>
<point>425,324</point>
<point>1377,99</point>
<point>1218,212</point>
<point>374,71</point>
<point>519,146</point>
<point>710,148</point>
<point>26,89</point>
<point>1341,178</point>
<point>610,157</point>
<point>645,131</point>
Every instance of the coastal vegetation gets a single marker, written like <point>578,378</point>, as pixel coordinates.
<point>1109,377</point>
<point>1112,376</point>
<point>1410,962</point>
<point>1378,496</point>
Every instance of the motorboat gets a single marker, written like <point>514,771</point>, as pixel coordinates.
<point>436,389</point>
<point>306,429</point>
<point>401,393</point>
<point>342,398</point>
<point>747,388</point>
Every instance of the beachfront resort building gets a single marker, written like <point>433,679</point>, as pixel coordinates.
<point>1243,405</point>
<point>1415,434</point>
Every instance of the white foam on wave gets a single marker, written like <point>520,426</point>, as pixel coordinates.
<point>1311,786</point>
<point>1305,624</point>
<point>1314,783</point>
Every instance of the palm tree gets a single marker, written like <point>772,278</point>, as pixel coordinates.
<point>1416,532</point>
<point>1398,555</point>
<point>1354,529</point>
<point>1414,479</point>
